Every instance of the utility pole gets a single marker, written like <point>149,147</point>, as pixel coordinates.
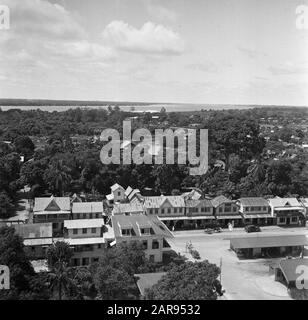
<point>220,266</point>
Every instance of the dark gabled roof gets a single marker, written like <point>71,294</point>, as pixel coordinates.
<point>220,200</point>
<point>253,202</point>
<point>266,241</point>
<point>289,266</point>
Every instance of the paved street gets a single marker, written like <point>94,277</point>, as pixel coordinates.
<point>242,279</point>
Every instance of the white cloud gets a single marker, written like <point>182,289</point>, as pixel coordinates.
<point>150,38</point>
<point>42,18</point>
<point>160,12</point>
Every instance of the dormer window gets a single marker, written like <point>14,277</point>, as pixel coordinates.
<point>145,231</point>
<point>126,232</point>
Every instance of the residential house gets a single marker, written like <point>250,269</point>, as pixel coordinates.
<point>148,230</point>
<point>87,210</point>
<point>226,211</point>
<point>88,238</point>
<point>117,194</point>
<point>37,237</point>
<point>52,209</point>
<point>255,210</point>
<point>287,211</point>
<point>128,208</point>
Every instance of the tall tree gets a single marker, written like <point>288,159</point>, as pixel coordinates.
<point>189,281</point>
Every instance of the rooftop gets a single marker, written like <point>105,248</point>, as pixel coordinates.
<point>138,221</point>
<point>88,207</point>
<point>83,223</point>
<point>220,200</point>
<point>265,241</point>
<point>254,202</point>
<point>115,187</point>
<point>289,266</point>
<point>199,203</point>
<point>122,208</point>
<point>158,201</point>
<point>284,202</point>
<point>52,204</point>
<point>34,230</point>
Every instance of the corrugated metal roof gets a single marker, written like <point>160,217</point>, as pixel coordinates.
<point>262,241</point>
<point>138,221</point>
<point>158,201</point>
<point>83,223</point>
<point>253,202</point>
<point>199,203</point>
<point>61,203</point>
<point>88,207</point>
<point>284,202</point>
<point>115,187</point>
<point>84,241</point>
<point>220,200</point>
<point>34,230</point>
<point>122,208</point>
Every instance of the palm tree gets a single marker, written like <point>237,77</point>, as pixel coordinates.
<point>60,278</point>
<point>58,258</point>
<point>58,177</point>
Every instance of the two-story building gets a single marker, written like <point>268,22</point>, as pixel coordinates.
<point>37,237</point>
<point>170,209</point>
<point>54,210</point>
<point>148,230</point>
<point>226,211</point>
<point>287,211</point>
<point>87,210</point>
<point>255,210</point>
<point>199,213</point>
<point>88,238</point>
<point>117,194</point>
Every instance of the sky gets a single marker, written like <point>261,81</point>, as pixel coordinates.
<point>177,51</point>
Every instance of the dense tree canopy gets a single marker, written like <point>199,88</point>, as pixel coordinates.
<point>189,281</point>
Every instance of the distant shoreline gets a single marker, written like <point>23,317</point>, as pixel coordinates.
<point>63,105</point>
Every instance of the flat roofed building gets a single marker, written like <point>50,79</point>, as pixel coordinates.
<point>255,210</point>
<point>270,246</point>
<point>287,211</point>
<point>54,210</point>
<point>87,210</point>
<point>150,231</point>
<point>37,238</point>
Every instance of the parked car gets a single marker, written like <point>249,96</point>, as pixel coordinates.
<point>252,228</point>
<point>213,230</point>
